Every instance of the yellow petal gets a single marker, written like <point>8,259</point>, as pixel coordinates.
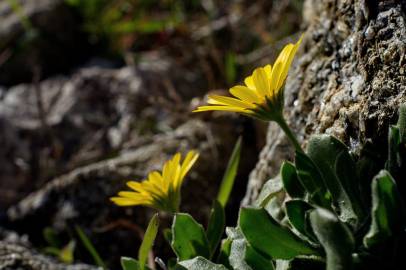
<point>128,202</point>
<point>231,101</point>
<point>288,61</point>
<point>221,108</point>
<point>249,82</point>
<point>190,159</point>
<point>276,71</point>
<point>245,94</point>
<point>261,82</point>
<point>268,70</point>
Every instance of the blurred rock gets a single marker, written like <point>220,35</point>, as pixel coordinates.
<point>15,256</point>
<point>44,34</point>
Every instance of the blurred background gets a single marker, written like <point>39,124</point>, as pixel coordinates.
<point>96,92</point>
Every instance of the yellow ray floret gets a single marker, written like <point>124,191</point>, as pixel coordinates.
<point>262,94</point>
<point>161,190</point>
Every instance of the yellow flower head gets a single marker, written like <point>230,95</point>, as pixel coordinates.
<point>161,190</point>
<point>262,94</point>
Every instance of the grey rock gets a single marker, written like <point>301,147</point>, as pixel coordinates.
<point>348,79</point>
<point>19,257</point>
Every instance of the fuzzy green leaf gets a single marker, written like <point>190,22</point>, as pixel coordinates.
<point>200,263</point>
<point>290,180</point>
<point>244,257</point>
<point>386,210</point>
<point>311,179</point>
<point>296,211</point>
<point>338,171</point>
<point>188,238</point>
<point>267,236</point>
<point>335,237</point>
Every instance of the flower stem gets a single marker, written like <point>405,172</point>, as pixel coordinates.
<point>288,132</point>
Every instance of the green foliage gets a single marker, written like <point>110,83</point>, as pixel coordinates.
<point>335,237</point>
<point>322,223</point>
<point>120,22</point>
<point>64,253</point>
<point>148,241</point>
<point>216,226</point>
<point>229,176</point>
<point>387,215</point>
<point>90,247</point>
<point>188,238</point>
<point>264,232</point>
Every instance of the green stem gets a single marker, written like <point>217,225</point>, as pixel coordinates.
<point>288,132</point>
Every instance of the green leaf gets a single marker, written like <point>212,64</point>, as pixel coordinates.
<point>267,236</point>
<point>335,237</point>
<point>229,176</point>
<point>90,248</point>
<point>290,180</point>
<point>402,122</point>
<point>215,229</point>
<point>311,179</point>
<point>129,264</point>
<point>256,260</point>
<point>188,238</point>
<point>66,253</point>
<point>244,257</point>
<point>297,210</point>
<point>393,163</point>
<point>224,253</point>
<point>148,241</point>
<point>167,235</point>
<point>387,214</point>
<point>272,188</point>
<point>200,263</point>
<point>51,237</point>
<point>338,171</point>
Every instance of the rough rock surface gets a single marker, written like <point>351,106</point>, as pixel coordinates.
<point>348,81</point>
<point>14,256</point>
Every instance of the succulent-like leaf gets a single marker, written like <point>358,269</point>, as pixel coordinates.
<point>312,180</point>
<point>266,235</point>
<point>244,257</point>
<point>338,170</point>
<point>402,122</point>
<point>335,237</point>
<point>296,211</point>
<point>188,238</point>
<point>200,263</point>
<point>290,180</point>
<point>387,214</point>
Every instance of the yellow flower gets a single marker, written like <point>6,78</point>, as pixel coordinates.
<point>160,190</point>
<point>262,94</point>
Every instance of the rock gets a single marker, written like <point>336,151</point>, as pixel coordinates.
<point>48,38</point>
<point>15,256</point>
<point>348,79</point>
